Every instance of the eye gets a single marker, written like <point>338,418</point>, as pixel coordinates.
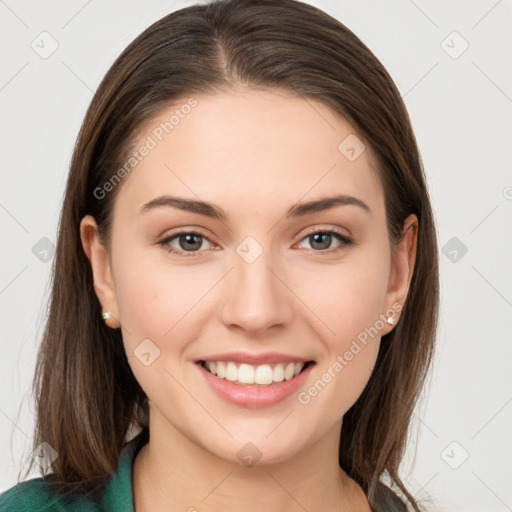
<point>190,243</point>
<point>187,242</point>
<point>321,241</point>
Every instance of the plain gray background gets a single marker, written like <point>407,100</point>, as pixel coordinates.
<point>460,103</point>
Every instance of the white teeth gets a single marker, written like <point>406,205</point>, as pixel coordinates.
<point>221,370</point>
<point>245,374</point>
<point>231,372</point>
<point>288,371</point>
<point>279,373</point>
<point>263,375</point>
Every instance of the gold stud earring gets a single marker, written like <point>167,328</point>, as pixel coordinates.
<point>110,320</point>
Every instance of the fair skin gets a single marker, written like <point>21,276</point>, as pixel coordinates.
<point>255,154</point>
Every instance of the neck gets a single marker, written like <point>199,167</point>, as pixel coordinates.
<point>173,473</point>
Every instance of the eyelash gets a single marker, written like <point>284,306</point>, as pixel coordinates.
<point>344,240</point>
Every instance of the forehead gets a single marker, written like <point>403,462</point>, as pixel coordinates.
<point>249,147</point>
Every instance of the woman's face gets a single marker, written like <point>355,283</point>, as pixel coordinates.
<point>247,288</point>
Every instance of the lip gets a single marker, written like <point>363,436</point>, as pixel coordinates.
<point>254,359</point>
<point>252,395</point>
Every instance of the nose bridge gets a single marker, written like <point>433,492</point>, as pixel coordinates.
<point>256,298</point>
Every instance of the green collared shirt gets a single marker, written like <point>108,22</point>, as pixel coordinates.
<point>36,496</point>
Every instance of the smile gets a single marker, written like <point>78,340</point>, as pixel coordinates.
<point>254,381</point>
<point>247,374</point>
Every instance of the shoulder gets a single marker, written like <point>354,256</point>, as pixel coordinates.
<point>38,494</point>
<point>388,501</point>
<point>32,493</point>
<point>35,495</point>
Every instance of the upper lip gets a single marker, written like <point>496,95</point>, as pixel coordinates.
<point>255,359</point>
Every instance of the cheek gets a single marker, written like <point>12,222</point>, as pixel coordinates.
<point>149,302</point>
<point>157,307</point>
<point>162,302</point>
<point>150,299</point>
<point>155,301</point>
<point>346,298</point>
<point>348,303</point>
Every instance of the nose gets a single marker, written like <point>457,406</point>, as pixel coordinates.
<point>257,299</point>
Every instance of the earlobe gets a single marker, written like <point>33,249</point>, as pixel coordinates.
<point>404,259</point>
<point>101,270</point>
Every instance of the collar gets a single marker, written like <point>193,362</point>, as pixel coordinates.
<point>118,493</point>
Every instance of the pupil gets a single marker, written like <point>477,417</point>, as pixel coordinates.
<point>321,238</point>
<point>194,241</point>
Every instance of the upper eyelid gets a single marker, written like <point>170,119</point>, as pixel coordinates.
<point>309,231</point>
<point>336,230</point>
<point>344,239</point>
<point>168,238</point>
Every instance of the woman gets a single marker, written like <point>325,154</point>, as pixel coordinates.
<point>245,276</point>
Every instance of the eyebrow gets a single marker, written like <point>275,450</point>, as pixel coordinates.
<point>216,212</point>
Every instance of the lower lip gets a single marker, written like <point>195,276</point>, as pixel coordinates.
<point>254,396</point>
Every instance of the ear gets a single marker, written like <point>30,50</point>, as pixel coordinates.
<point>101,269</point>
<point>402,268</point>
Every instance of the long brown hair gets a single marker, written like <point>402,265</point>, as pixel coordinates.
<point>87,397</point>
